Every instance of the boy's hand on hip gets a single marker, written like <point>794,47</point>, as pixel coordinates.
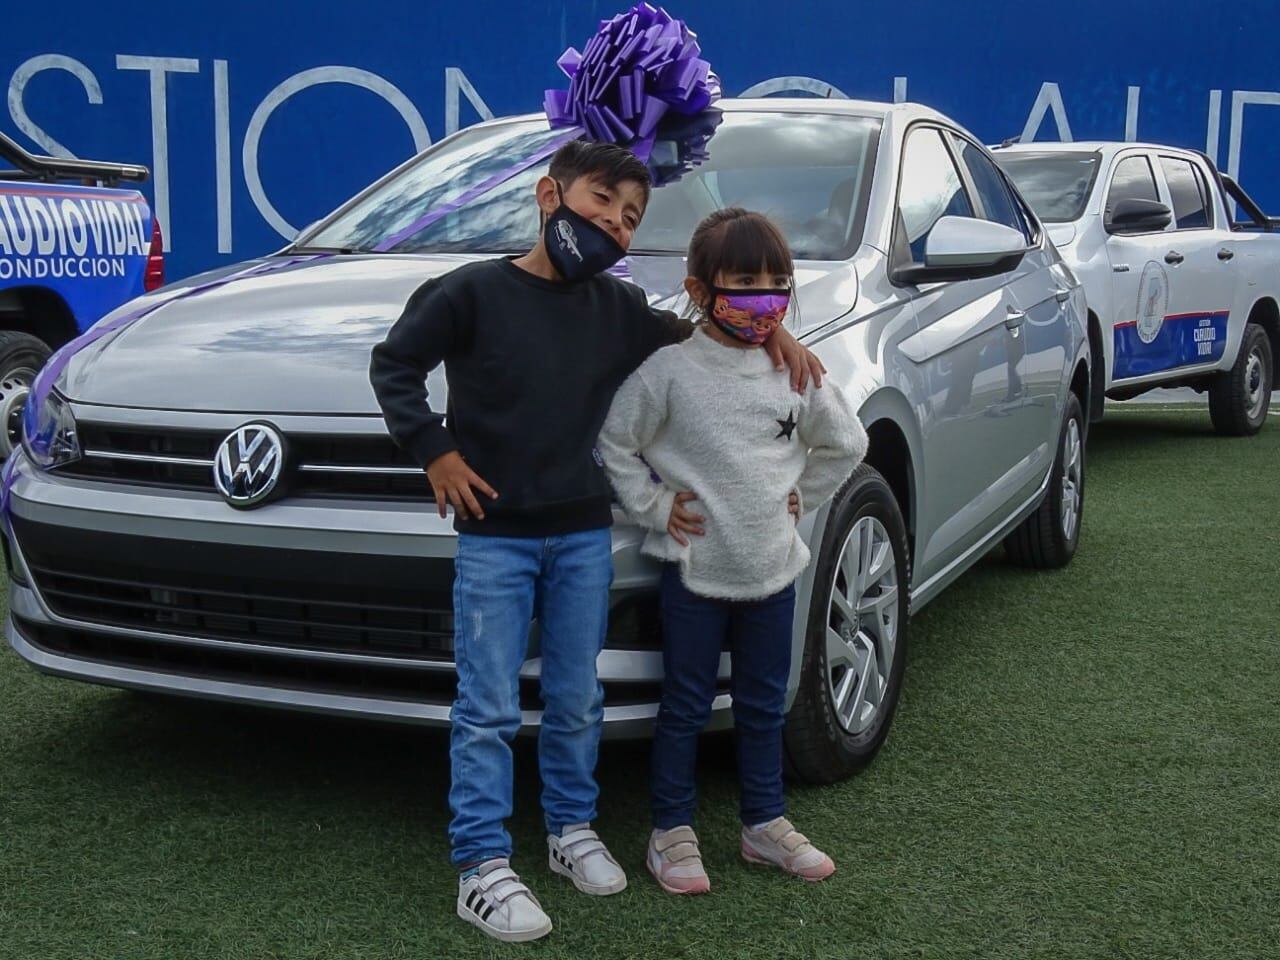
<point>786,352</point>
<point>793,506</point>
<point>452,482</point>
<point>683,520</point>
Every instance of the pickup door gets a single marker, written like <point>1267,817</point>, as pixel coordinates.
<point>1172,289</point>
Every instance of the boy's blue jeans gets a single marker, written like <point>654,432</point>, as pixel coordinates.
<point>694,630</point>
<point>501,584</point>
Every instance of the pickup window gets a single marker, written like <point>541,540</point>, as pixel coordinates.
<point>1189,193</point>
<point>1133,180</point>
<point>1056,185</point>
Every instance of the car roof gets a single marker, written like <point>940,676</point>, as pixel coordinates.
<point>907,111</point>
<point>1106,147</point>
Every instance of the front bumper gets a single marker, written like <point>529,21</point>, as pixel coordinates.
<point>336,607</point>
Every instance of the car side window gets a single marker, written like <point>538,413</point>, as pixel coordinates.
<point>1187,191</point>
<point>1133,180</point>
<point>998,203</point>
<point>931,189</point>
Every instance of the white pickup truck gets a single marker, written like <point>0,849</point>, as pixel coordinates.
<point>1180,294</point>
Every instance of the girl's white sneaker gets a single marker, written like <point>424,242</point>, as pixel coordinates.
<point>778,844</point>
<point>675,861</point>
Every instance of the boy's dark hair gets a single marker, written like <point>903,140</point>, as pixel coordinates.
<point>606,162</point>
<point>734,240</point>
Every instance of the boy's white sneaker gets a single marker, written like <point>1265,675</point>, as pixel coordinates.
<point>579,854</point>
<point>497,902</point>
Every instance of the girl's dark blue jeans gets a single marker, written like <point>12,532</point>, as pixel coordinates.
<point>759,639</point>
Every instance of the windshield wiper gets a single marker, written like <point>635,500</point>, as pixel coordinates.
<point>342,250</point>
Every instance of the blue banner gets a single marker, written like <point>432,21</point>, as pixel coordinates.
<point>257,119</point>
<point>88,246</point>
<point>1181,340</point>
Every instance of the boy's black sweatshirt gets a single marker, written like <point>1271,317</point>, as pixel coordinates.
<point>532,367</point>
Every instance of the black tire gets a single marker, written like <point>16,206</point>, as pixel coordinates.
<point>1042,541</point>
<point>21,357</point>
<point>818,748</point>
<point>1238,398</point>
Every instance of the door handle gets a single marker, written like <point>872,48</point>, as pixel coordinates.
<point>1173,257</point>
<point>1226,254</point>
<point>1014,318</point>
<point>1062,295</point>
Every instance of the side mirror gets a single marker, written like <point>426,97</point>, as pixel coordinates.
<point>1132,215</point>
<point>965,248</point>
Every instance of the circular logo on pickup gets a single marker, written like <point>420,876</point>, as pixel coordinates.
<point>1153,301</point>
<point>248,464</point>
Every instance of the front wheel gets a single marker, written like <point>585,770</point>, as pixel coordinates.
<point>21,357</point>
<point>1238,397</point>
<point>856,640</point>
<point>1048,538</point>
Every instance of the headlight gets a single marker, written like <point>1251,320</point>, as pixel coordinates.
<point>49,432</point>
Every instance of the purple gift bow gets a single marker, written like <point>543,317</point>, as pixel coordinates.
<point>635,68</point>
<point>479,190</point>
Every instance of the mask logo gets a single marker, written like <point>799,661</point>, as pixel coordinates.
<point>568,239</point>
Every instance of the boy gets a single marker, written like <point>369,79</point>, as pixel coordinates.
<point>534,348</point>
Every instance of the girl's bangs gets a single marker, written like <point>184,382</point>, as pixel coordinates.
<point>753,245</point>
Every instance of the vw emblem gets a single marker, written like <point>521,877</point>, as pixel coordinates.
<point>248,464</point>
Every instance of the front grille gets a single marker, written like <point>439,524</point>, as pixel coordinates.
<point>353,467</point>
<point>250,617</point>
<point>372,605</point>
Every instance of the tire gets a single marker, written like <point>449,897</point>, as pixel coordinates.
<point>821,745</point>
<point>1048,538</point>
<point>1238,397</point>
<point>21,357</point>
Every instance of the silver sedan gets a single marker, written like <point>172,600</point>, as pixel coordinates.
<point>214,508</point>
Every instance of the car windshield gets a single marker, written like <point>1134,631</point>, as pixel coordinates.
<point>1056,185</point>
<point>810,172</point>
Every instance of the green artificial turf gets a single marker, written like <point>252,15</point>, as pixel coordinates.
<point>1084,764</point>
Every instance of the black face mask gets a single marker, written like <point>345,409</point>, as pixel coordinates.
<point>577,247</point>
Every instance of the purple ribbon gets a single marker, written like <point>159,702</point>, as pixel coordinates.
<point>480,189</point>
<point>58,362</point>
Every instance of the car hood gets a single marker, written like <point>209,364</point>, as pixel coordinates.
<point>295,337</point>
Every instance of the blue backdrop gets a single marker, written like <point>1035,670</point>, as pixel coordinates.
<point>258,118</point>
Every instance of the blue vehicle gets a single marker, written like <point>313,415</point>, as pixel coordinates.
<point>74,245</point>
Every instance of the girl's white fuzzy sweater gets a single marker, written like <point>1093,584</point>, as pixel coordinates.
<point>721,422</point>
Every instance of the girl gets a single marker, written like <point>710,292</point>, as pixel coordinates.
<point>720,426</point>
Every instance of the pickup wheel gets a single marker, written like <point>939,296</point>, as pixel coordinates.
<point>1048,537</point>
<point>856,638</point>
<point>21,357</point>
<point>1238,397</point>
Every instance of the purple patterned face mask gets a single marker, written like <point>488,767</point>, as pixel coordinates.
<point>749,314</point>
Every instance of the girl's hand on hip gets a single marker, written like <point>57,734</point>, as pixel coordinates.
<point>683,520</point>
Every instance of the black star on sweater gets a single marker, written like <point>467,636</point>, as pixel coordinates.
<point>787,426</point>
